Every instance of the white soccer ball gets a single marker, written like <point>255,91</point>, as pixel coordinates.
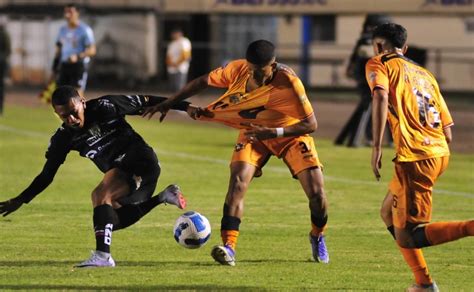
<point>192,230</point>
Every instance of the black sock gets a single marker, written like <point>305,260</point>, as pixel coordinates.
<point>104,220</point>
<point>130,214</point>
<point>391,229</point>
<point>319,220</point>
<point>229,222</point>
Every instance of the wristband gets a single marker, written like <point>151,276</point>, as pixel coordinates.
<point>280,132</point>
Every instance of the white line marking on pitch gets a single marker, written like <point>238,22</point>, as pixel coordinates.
<point>30,133</point>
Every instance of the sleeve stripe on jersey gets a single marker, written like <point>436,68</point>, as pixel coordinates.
<point>135,99</point>
<point>448,125</point>
<point>379,87</point>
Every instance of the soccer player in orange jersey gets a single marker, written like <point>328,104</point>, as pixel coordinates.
<point>268,103</point>
<point>409,96</point>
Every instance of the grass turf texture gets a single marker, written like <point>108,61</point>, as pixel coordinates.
<point>43,240</point>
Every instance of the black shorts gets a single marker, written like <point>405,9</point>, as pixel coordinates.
<point>143,169</point>
<point>73,74</point>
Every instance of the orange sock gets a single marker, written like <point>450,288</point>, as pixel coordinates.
<point>441,232</point>
<point>415,259</point>
<point>229,237</point>
<point>316,231</point>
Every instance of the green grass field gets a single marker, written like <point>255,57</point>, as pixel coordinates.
<point>43,240</point>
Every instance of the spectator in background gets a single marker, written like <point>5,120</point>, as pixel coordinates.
<point>5,51</point>
<point>360,122</point>
<point>75,45</point>
<point>178,57</point>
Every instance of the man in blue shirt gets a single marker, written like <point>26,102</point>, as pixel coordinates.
<point>75,45</point>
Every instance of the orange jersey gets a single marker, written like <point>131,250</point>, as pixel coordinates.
<point>282,102</point>
<point>417,112</point>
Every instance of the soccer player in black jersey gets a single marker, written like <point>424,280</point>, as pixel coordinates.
<point>97,129</point>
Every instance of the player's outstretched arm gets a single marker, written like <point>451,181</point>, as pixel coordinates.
<point>305,126</point>
<point>41,182</point>
<point>136,104</point>
<point>192,88</point>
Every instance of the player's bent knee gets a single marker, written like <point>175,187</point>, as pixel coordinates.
<point>100,197</point>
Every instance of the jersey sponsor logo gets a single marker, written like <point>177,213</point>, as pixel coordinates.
<point>108,233</point>
<point>236,98</point>
<point>120,158</point>
<point>239,146</point>
<point>220,105</point>
<point>91,154</point>
<point>251,113</point>
<point>98,134</point>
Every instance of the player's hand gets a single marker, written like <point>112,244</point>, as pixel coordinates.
<point>162,107</point>
<point>195,112</point>
<point>73,58</point>
<point>10,206</point>
<point>376,161</point>
<point>256,132</point>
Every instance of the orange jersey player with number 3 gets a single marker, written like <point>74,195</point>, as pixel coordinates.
<point>409,97</point>
<point>268,103</point>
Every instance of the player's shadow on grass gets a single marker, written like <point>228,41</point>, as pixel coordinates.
<point>39,263</point>
<point>276,261</point>
<point>59,263</point>
<point>159,263</point>
<point>70,264</point>
<point>191,287</point>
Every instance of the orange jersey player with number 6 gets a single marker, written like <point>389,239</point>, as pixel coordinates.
<point>409,97</point>
<point>267,102</point>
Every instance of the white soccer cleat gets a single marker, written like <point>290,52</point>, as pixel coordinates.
<point>173,195</point>
<point>423,288</point>
<point>97,259</point>
<point>224,255</point>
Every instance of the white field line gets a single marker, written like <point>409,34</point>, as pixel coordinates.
<point>277,169</point>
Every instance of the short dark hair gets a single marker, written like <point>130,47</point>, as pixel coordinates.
<point>176,29</point>
<point>372,20</point>
<point>63,94</point>
<point>72,5</point>
<point>75,6</point>
<point>394,33</point>
<point>260,52</point>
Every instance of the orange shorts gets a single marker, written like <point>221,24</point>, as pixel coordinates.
<point>299,153</point>
<point>412,187</point>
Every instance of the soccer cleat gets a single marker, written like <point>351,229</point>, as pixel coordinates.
<point>319,249</point>
<point>97,259</point>
<point>173,195</point>
<point>423,288</point>
<point>223,255</point>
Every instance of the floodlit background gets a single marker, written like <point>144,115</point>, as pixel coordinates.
<point>42,241</point>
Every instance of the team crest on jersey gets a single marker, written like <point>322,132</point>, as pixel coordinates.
<point>95,131</point>
<point>236,98</point>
